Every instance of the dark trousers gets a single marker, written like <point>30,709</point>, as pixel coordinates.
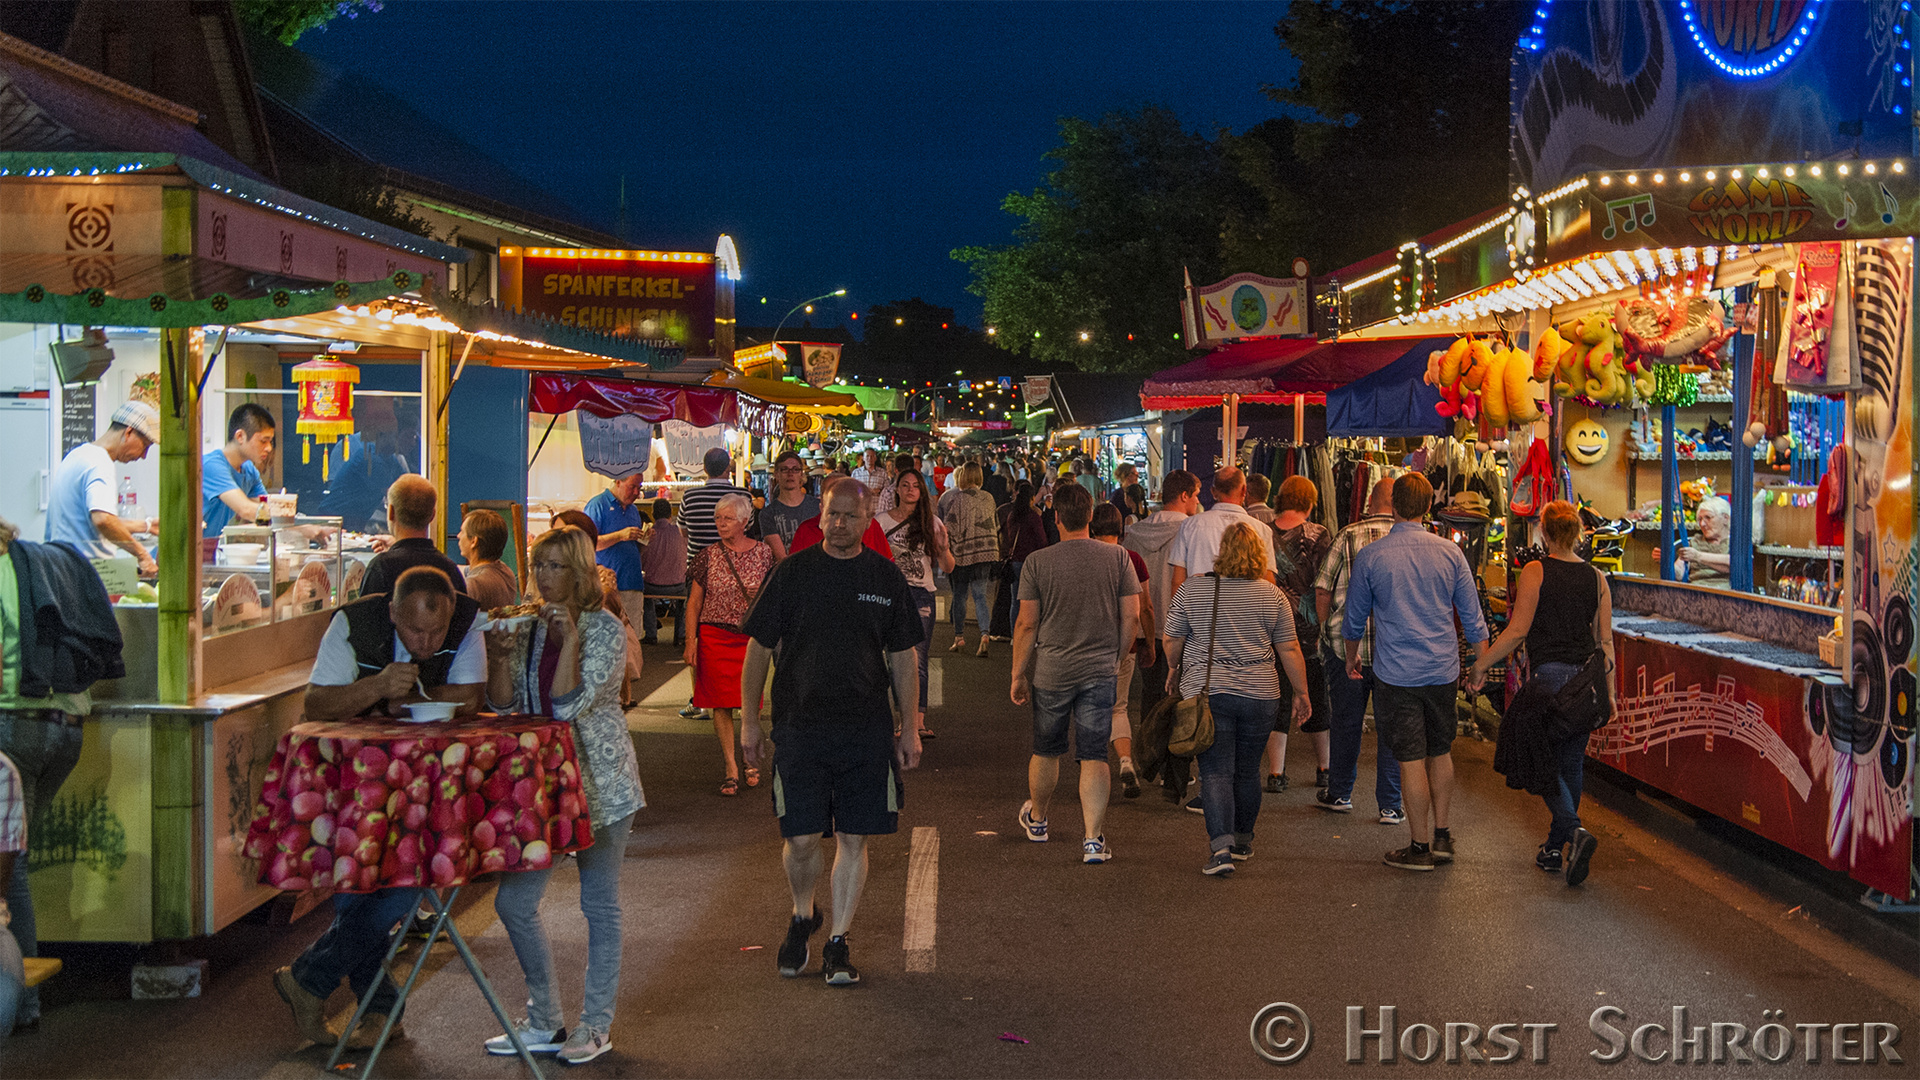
<point>44,752</point>
<point>1349,717</point>
<point>1002,623</point>
<point>354,946</point>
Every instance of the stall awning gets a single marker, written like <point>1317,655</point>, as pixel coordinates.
<point>797,397</point>
<point>1394,402</point>
<point>1272,371</point>
<point>701,406</point>
<point>534,330</point>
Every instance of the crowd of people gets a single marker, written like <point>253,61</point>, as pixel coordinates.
<point>827,580</point>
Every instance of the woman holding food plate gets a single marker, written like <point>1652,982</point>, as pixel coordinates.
<point>568,664</point>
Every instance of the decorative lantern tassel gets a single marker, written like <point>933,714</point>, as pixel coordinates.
<point>323,468</point>
<point>306,450</point>
<point>346,448</point>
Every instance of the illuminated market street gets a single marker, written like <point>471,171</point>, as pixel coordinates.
<point>1139,967</point>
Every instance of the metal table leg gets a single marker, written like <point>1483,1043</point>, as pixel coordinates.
<point>443,920</point>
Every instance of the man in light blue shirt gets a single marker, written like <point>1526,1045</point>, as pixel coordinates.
<point>230,485</point>
<point>1413,585</point>
<point>83,508</point>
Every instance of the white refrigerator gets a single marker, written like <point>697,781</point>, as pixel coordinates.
<point>26,463</point>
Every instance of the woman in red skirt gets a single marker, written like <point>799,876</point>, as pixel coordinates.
<point>722,582</point>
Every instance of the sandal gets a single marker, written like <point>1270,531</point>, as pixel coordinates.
<point>926,733</point>
<point>958,644</point>
<point>753,777</point>
<point>729,786</point>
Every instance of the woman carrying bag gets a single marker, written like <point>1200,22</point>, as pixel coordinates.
<point>569,666</point>
<point>722,583</point>
<point>1563,610</point>
<point>1239,621</point>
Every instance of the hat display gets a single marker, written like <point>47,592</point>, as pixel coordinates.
<point>141,417</point>
<point>1468,504</point>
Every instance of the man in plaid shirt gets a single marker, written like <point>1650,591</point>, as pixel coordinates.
<point>13,845</point>
<point>1349,696</point>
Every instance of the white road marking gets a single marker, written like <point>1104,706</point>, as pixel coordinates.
<point>936,683</point>
<point>923,897</point>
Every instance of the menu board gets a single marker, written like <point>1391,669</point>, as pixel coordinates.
<point>76,417</point>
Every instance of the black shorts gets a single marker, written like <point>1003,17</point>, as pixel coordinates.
<point>1415,722</point>
<point>1321,720</point>
<point>819,795</point>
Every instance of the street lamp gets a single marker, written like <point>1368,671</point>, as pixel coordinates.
<point>797,307</point>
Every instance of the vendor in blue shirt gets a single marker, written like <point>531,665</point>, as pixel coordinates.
<point>621,524</point>
<point>230,486</point>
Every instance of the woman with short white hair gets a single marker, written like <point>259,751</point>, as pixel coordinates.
<point>722,584</point>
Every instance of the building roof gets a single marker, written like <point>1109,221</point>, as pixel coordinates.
<point>49,103</point>
<point>327,109</point>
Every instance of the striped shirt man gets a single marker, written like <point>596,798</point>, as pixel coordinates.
<point>1254,617</point>
<point>1336,573</point>
<point>696,512</point>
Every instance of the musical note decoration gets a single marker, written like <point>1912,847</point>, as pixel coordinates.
<point>1621,216</point>
<point>1848,208</point>
<point>1889,206</point>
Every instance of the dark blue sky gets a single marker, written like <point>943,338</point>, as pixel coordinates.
<point>842,145</point>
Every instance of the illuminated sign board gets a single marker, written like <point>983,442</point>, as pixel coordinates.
<point>663,298</point>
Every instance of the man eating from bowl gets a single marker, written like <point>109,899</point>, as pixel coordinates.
<point>377,655</point>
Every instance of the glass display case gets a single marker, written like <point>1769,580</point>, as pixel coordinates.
<point>271,573</point>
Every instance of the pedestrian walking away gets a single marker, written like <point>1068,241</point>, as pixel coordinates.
<point>1079,609</point>
<point>845,624</point>
<point>1140,652</point>
<point>1563,612</point>
<point>722,584</point>
<point>918,540</point>
<point>968,513</point>
<point>1152,540</point>
<point>1239,621</point>
<point>569,665</point>
<point>1348,697</point>
<point>1414,585</point>
<point>1301,546</point>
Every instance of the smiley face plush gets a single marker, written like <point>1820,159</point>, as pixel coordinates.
<point>1586,442</point>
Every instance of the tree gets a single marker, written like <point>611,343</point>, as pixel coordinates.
<point>1399,115</point>
<point>288,19</point>
<point>1094,277</point>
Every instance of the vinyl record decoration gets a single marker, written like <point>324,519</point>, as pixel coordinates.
<point>326,405</point>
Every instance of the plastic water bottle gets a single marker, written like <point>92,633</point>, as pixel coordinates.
<point>129,501</point>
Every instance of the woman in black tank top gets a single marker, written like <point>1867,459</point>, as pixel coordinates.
<point>1562,609</point>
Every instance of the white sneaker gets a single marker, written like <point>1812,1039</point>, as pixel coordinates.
<point>1095,850</point>
<point>585,1044</point>
<point>536,1040</point>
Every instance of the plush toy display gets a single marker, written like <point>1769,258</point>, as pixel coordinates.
<point>1586,442</point>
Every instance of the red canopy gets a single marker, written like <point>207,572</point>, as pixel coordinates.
<point>1270,371</point>
<point>701,406</point>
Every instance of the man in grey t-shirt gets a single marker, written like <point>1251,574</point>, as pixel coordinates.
<point>1079,609</point>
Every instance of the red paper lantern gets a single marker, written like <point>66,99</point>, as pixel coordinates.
<point>326,405</point>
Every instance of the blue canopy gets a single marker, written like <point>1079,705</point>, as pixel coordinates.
<point>1394,401</point>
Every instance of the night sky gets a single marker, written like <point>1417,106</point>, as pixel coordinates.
<point>842,145</point>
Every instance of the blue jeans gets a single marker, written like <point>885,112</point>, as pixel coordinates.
<point>354,946</point>
<point>517,902</point>
<point>1571,754</point>
<point>1230,768</point>
<point>1087,708</point>
<point>44,753</point>
<point>923,601</point>
<point>650,619</point>
<point>1349,701</point>
<point>13,981</point>
<point>978,580</point>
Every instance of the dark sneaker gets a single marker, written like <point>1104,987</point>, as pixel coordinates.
<point>1220,865</point>
<point>1582,853</point>
<point>1325,800</point>
<point>1320,778</point>
<point>794,951</point>
<point>1129,781</point>
<point>1393,815</point>
<point>1276,784</point>
<point>692,711</point>
<point>1036,830</point>
<point>1408,859</point>
<point>1196,806</point>
<point>835,964</point>
<point>1442,848</point>
<point>1548,859</point>
<point>1241,852</point>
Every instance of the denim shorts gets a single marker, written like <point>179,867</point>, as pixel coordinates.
<point>1415,722</point>
<point>1090,708</point>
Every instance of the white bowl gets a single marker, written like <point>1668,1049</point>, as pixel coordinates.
<point>242,554</point>
<point>430,712</point>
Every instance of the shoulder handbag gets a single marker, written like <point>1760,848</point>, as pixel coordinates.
<point>741,585</point>
<point>1192,731</point>
<point>1585,702</point>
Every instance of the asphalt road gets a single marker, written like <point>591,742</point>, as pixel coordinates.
<point>1029,963</point>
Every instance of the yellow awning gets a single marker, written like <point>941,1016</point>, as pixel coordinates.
<point>796,397</point>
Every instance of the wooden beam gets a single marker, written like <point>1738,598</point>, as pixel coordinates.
<point>175,823</point>
<point>178,548</point>
<point>436,380</point>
